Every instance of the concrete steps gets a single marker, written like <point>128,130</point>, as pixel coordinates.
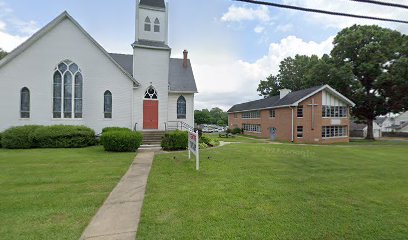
<point>152,137</point>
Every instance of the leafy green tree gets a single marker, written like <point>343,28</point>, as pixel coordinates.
<point>213,116</point>
<point>372,52</point>
<point>2,53</point>
<point>304,72</point>
<point>202,117</point>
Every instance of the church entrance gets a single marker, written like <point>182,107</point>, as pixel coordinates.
<point>151,109</point>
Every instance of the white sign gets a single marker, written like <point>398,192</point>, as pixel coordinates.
<point>194,147</point>
<point>335,122</point>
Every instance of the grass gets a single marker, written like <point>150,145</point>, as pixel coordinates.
<point>264,191</point>
<point>54,193</point>
<point>237,138</point>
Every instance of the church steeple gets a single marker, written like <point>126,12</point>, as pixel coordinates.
<point>151,21</point>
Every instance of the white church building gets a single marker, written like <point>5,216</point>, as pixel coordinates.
<point>61,75</point>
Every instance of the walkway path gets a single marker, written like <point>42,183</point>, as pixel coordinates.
<point>119,216</point>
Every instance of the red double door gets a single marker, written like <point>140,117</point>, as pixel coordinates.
<point>150,114</point>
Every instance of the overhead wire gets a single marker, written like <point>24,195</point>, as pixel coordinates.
<point>278,5</point>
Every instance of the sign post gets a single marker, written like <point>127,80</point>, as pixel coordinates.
<point>194,147</point>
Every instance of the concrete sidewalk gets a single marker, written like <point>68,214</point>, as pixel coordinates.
<point>119,216</point>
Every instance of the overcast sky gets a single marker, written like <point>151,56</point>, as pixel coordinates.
<point>232,45</point>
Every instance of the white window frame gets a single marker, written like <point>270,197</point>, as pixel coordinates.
<point>251,115</point>
<point>334,111</point>
<point>272,113</point>
<point>68,64</point>
<point>336,131</point>
<point>255,128</point>
<point>301,132</point>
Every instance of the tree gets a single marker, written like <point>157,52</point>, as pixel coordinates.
<point>371,51</point>
<point>2,53</point>
<point>304,72</point>
<point>214,116</point>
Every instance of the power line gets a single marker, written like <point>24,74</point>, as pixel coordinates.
<point>321,11</point>
<point>388,4</point>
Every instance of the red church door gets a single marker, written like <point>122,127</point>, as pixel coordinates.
<point>150,114</point>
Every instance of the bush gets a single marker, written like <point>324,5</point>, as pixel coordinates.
<point>60,136</point>
<point>177,140</point>
<point>121,141</point>
<point>210,142</point>
<point>203,146</point>
<point>0,140</point>
<point>237,131</point>
<point>109,129</point>
<point>19,137</point>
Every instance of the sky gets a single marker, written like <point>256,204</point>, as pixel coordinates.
<point>232,45</point>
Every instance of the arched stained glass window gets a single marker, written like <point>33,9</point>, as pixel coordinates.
<point>107,104</point>
<point>156,25</point>
<point>68,88</point>
<point>148,25</point>
<point>151,93</point>
<point>25,103</point>
<point>181,108</point>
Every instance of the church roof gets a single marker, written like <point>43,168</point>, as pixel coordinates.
<point>16,52</point>
<point>181,80</point>
<point>153,3</point>
<point>292,99</point>
<point>150,44</point>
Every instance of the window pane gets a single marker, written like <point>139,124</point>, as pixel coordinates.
<point>62,67</point>
<point>147,27</point>
<point>108,104</point>
<point>68,95</point>
<point>73,68</point>
<point>156,28</point>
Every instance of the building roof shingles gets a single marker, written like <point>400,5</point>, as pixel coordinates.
<point>275,101</point>
<point>181,79</point>
<point>153,3</point>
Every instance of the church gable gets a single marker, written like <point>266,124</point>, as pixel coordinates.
<point>64,20</point>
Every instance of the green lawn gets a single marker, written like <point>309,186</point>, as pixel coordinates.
<point>237,138</point>
<point>54,193</point>
<point>264,191</point>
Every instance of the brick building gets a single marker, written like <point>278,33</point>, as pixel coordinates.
<point>314,115</point>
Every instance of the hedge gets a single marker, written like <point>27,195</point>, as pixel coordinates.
<point>121,141</point>
<point>60,136</point>
<point>177,140</point>
<point>109,129</point>
<point>19,137</point>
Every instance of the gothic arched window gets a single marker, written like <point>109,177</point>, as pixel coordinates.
<point>148,25</point>
<point>156,25</point>
<point>181,108</point>
<point>107,104</point>
<point>151,93</point>
<point>67,94</point>
<point>25,103</point>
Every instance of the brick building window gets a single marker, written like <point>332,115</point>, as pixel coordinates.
<point>300,131</point>
<point>252,128</point>
<point>334,131</point>
<point>300,111</point>
<point>272,113</point>
<point>235,115</point>
<point>334,111</point>
<point>251,115</point>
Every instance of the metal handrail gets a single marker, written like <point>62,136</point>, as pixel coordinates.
<point>180,125</point>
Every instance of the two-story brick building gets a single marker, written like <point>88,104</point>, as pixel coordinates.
<point>315,115</point>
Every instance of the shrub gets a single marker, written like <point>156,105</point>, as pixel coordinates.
<point>237,131</point>
<point>109,129</point>
<point>203,146</point>
<point>0,140</point>
<point>60,136</point>
<point>121,141</point>
<point>19,137</point>
<point>209,141</point>
<point>177,140</point>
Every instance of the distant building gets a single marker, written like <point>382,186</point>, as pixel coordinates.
<point>394,124</point>
<point>361,129</point>
<point>314,115</point>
